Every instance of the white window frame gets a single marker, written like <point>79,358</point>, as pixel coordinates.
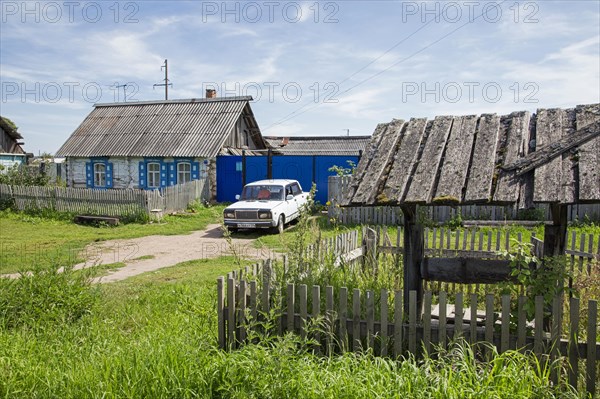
<point>153,176</point>
<point>99,174</point>
<point>181,174</point>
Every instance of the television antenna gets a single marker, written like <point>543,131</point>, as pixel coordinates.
<point>118,86</point>
<point>166,84</point>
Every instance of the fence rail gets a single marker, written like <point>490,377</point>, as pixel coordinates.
<point>392,215</point>
<point>118,203</point>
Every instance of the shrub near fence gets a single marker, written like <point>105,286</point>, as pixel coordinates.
<point>119,203</point>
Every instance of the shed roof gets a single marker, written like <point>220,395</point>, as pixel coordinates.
<point>318,145</point>
<point>180,128</point>
<point>552,156</point>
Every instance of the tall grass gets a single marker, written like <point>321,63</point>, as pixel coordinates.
<point>154,336</point>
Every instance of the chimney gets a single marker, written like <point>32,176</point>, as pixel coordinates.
<point>211,93</point>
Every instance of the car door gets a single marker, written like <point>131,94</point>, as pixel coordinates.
<point>290,205</point>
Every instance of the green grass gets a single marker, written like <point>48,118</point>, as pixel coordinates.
<point>27,241</point>
<point>154,336</point>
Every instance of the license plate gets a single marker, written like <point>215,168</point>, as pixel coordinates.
<point>246,225</point>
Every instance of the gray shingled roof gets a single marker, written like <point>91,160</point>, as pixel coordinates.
<point>319,145</point>
<point>552,156</point>
<point>178,128</point>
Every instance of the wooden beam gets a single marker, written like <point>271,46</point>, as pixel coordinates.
<point>550,151</point>
<point>456,160</point>
<point>367,190</point>
<point>421,187</point>
<point>413,256</point>
<point>466,270</point>
<point>589,154</point>
<point>507,187</point>
<point>479,185</point>
<point>405,158</point>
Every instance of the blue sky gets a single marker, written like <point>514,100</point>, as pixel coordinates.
<point>314,68</point>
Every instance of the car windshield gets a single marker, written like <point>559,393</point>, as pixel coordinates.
<point>262,192</point>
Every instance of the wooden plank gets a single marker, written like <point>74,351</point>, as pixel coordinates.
<point>404,159</point>
<point>548,177</point>
<point>290,307</point>
<point>329,319</point>
<point>591,359</point>
<point>367,191</point>
<point>368,155</point>
<point>515,131</point>
<point>356,345</point>
<point>573,368</point>
<point>220,311</point>
<point>453,174</point>
<point>466,270</point>
<point>422,185</point>
<point>473,321</point>
<point>589,154</point>
<point>442,333</point>
<point>370,319</point>
<point>555,334</point>
<point>427,322</point>
<point>521,323</point>
<point>384,322</point>
<point>489,322</point>
<point>458,315</point>
<point>343,337</point>
<point>479,183</point>
<point>538,344</point>
<point>231,313</point>
<point>241,316</point>
<point>398,318</point>
<point>505,326</point>
<point>316,312</point>
<point>303,297</point>
<point>412,322</point>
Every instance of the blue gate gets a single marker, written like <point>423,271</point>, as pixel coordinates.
<point>304,168</point>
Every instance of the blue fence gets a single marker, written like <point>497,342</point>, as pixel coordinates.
<point>304,168</point>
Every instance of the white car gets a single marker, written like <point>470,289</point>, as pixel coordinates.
<point>266,204</point>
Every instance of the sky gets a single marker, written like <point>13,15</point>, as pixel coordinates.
<point>315,68</point>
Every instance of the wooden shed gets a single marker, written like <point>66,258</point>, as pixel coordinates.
<point>551,156</point>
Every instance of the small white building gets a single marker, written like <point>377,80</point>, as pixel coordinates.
<point>155,144</point>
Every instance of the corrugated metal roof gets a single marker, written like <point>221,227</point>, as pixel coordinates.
<point>319,145</point>
<point>173,128</point>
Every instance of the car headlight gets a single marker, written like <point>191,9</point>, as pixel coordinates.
<point>264,214</point>
<point>229,214</point>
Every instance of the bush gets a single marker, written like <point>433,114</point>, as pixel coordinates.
<point>45,296</point>
<point>21,175</point>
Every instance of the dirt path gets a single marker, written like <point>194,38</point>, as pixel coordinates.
<point>145,254</point>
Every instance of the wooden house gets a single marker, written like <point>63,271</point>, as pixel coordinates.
<point>155,144</point>
<point>11,150</point>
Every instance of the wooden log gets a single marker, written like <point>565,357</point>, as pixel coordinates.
<point>453,174</point>
<point>421,187</point>
<point>404,159</point>
<point>479,184</point>
<point>413,256</point>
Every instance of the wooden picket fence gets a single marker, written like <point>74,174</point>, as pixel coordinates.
<point>357,320</point>
<point>392,215</point>
<point>117,203</point>
<point>375,320</point>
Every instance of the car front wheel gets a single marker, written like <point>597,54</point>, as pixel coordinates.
<point>279,228</point>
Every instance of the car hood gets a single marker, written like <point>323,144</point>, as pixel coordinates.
<point>255,204</point>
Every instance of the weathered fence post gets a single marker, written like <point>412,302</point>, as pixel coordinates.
<point>413,257</point>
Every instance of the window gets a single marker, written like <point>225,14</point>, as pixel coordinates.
<point>99,175</point>
<point>153,175</point>
<point>184,172</point>
<point>296,189</point>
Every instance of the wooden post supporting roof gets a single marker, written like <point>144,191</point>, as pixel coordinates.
<point>413,256</point>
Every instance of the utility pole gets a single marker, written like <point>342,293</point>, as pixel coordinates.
<point>166,84</point>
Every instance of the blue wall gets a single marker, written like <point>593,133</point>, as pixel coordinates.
<point>304,168</point>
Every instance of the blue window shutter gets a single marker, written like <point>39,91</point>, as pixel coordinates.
<point>172,174</point>
<point>142,176</point>
<point>109,174</point>
<point>89,175</point>
<point>195,170</point>
<point>163,174</point>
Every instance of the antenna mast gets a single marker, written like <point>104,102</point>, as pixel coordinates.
<point>166,84</point>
